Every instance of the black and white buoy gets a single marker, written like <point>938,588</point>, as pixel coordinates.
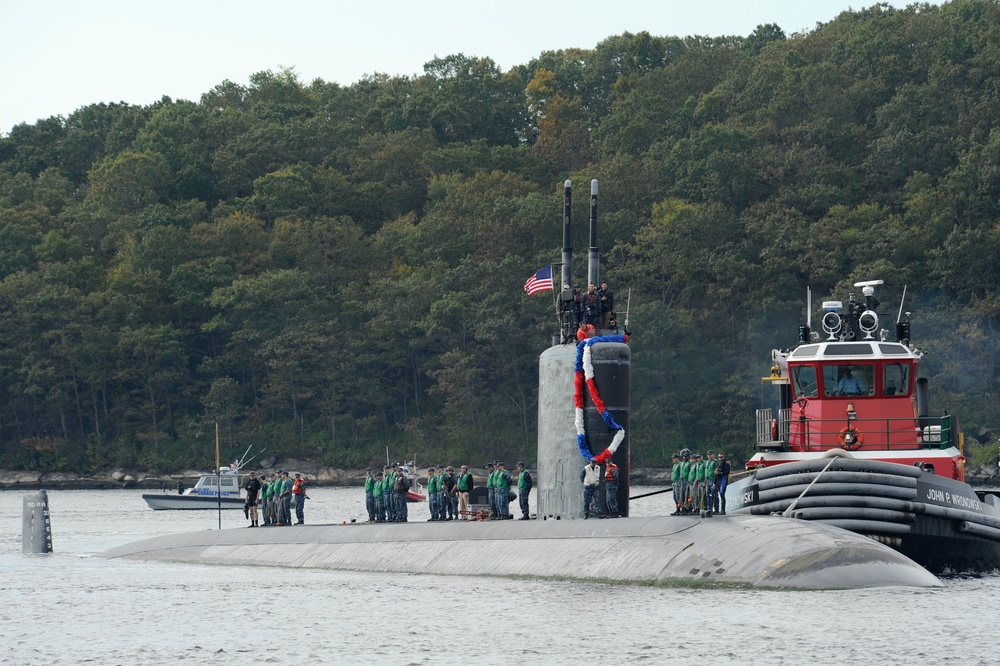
<point>36,529</point>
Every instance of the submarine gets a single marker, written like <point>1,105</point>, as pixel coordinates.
<point>750,551</point>
<point>583,413</point>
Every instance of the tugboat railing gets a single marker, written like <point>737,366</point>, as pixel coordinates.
<point>811,434</point>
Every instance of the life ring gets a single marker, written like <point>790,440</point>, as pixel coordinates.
<point>857,439</point>
<point>774,430</point>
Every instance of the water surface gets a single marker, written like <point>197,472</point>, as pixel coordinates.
<point>71,608</point>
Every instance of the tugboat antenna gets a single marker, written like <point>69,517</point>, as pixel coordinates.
<point>809,308</point>
<point>901,301</point>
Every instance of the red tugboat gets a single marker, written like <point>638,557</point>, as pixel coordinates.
<point>850,442</point>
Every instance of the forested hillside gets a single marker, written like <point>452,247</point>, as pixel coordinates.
<point>331,270</point>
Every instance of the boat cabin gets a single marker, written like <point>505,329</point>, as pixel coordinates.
<point>855,394</point>
<point>855,390</point>
<point>208,484</point>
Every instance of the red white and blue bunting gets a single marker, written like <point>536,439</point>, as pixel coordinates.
<point>585,375</point>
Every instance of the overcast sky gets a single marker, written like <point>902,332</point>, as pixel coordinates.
<point>59,55</point>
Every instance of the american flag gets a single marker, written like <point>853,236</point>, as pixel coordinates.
<point>540,281</point>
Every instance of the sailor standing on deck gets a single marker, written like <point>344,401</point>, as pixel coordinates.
<point>711,490</point>
<point>490,494</point>
<point>386,491</point>
<point>432,493</point>
<point>465,485</point>
<point>450,493</point>
<point>252,486</point>
<point>400,488</point>
<point>692,487</point>
<point>675,482</point>
<point>685,488</point>
<point>442,501</point>
<point>378,488</point>
<point>279,487</point>
<point>692,478</point>
<point>299,495</point>
<point>611,488</point>
<point>592,306</point>
<point>369,496</point>
<point>722,481</point>
<point>699,482</point>
<point>607,299</point>
<point>389,496</point>
<point>265,497</point>
<point>503,491</point>
<point>591,477</point>
<point>270,507</point>
<point>286,498</point>
<point>523,489</point>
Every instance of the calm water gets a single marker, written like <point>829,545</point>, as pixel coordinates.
<point>71,608</point>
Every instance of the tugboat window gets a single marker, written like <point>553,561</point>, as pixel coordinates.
<point>809,350</point>
<point>804,377</point>
<point>849,380</point>
<point>896,379</point>
<point>848,349</point>
<point>891,349</point>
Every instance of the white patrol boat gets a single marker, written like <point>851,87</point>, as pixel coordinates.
<point>208,493</point>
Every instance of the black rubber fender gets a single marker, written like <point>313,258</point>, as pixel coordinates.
<point>863,489</point>
<point>837,477</point>
<point>984,531</point>
<point>852,513</point>
<point>961,514</point>
<point>888,503</point>
<point>838,465</point>
<point>868,526</point>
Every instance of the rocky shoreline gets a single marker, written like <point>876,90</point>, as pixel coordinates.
<point>982,477</point>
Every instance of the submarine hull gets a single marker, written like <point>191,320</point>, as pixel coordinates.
<point>729,550</point>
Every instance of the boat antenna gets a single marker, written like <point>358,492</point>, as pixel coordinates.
<point>594,265</point>
<point>241,459</point>
<point>809,308</point>
<point>249,460</point>
<point>628,303</point>
<point>901,300</point>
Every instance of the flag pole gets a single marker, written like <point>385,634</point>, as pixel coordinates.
<point>218,474</point>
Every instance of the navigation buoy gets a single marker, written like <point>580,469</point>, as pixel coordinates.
<point>36,529</point>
